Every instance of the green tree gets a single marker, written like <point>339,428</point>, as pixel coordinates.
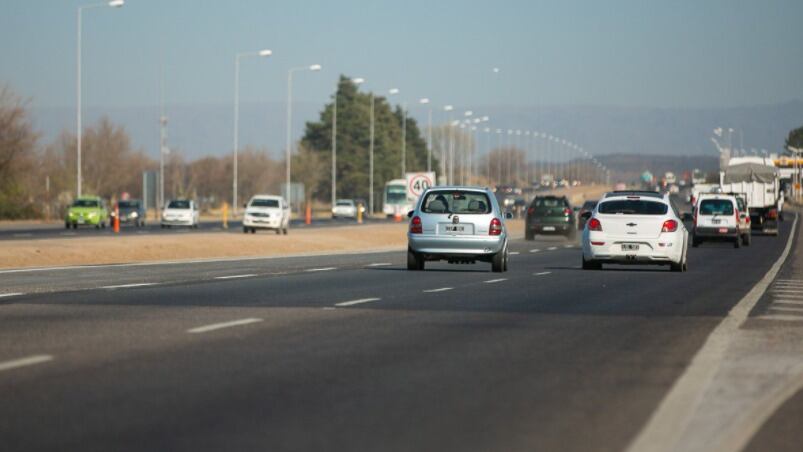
<point>353,142</point>
<point>795,138</point>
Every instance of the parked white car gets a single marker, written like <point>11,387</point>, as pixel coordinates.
<point>344,208</point>
<point>180,212</point>
<point>634,227</point>
<point>717,217</point>
<point>266,212</point>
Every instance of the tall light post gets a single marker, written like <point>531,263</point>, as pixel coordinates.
<point>260,53</point>
<point>289,143</point>
<point>79,125</point>
<point>448,155</point>
<point>425,101</point>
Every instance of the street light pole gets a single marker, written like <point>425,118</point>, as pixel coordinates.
<point>288,144</point>
<point>425,101</point>
<point>78,80</point>
<point>371,159</point>
<point>235,163</point>
<point>448,164</point>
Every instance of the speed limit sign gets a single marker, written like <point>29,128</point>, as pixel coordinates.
<point>418,182</point>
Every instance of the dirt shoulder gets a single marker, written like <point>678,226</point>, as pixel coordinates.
<point>160,247</point>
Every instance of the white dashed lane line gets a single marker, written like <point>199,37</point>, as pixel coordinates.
<point>127,286</point>
<point>491,281</point>
<point>353,302</point>
<point>379,264</point>
<point>552,248</point>
<point>12,294</point>
<point>535,250</point>
<point>442,289</point>
<point>249,275</point>
<point>324,269</point>
<point>514,253</point>
<point>541,273</point>
<point>22,362</point>
<point>218,326</point>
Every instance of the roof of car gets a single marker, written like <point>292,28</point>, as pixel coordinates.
<point>266,197</point>
<point>459,187</point>
<point>645,193</point>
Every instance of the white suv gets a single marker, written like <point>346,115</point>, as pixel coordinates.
<point>716,217</point>
<point>634,227</point>
<point>266,212</point>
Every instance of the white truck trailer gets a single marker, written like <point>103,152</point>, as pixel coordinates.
<point>759,180</point>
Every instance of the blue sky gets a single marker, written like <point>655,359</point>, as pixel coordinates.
<point>688,53</point>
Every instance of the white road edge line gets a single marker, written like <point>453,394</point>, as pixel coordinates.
<point>27,361</point>
<point>379,264</point>
<point>442,289</point>
<point>323,269</point>
<point>126,286</point>
<point>787,318</point>
<point>217,326</point>
<point>669,422</point>
<point>541,273</point>
<point>249,275</point>
<point>790,309</point>
<point>11,294</point>
<point>353,302</point>
<point>491,281</point>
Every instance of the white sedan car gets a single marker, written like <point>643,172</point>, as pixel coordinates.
<point>344,208</point>
<point>180,212</point>
<point>635,228</point>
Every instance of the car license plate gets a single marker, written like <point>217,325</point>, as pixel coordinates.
<point>716,221</point>
<point>630,247</point>
<point>723,230</point>
<point>549,228</point>
<point>455,228</point>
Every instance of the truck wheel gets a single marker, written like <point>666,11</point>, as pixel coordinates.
<point>737,243</point>
<point>746,239</point>
<point>278,231</point>
<point>284,230</point>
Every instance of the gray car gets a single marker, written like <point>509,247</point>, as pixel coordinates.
<point>460,225</point>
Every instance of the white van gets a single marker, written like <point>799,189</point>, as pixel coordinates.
<point>266,212</point>
<point>716,217</point>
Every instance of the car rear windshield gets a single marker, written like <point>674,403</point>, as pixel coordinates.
<point>545,206</point>
<point>632,207</point>
<point>716,207</point>
<point>458,202</point>
<point>85,203</point>
<point>179,205</point>
<point>345,203</point>
<point>128,204</point>
<point>265,203</point>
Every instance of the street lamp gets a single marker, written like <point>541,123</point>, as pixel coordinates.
<point>288,150</point>
<point>113,4</point>
<point>449,153</point>
<point>393,92</point>
<point>425,101</point>
<point>261,53</point>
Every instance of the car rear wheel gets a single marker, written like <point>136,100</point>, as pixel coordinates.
<point>284,231</point>
<point>591,265</point>
<point>737,243</point>
<point>245,230</point>
<point>66,225</point>
<point>746,239</point>
<point>499,262</point>
<point>415,261</point>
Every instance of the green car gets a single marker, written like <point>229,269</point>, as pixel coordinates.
<point>87,210</point>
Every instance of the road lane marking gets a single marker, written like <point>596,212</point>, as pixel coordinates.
<point>786,309</point>
<point>671,421</point>
<point>442,289</point>
<point>248,275</point>
<point>782,300</point>
<point>218,326</point>
<point>10,294</point>
<point>552,248</point>
<point>69,234</point>
<point>379,264</point>
<point>353,302</point>
<point>126,286</point>
<point>328,308</point>
<point>514,253</point>
<point>22,362</point>
<point>787,318</point>
<point>535,250</point>
<point>491,281</point>
<point>541,273</point>
<point>568,246</point>
<point>324,269</point>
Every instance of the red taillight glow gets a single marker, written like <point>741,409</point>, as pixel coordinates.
<point>415,225</point>
<point>669,226</point>
<point>530,211</point>
<point>594,225</point>
<point>496,227</point>
<point>567,211</point>
<point>597,243</point>
<point>773,214</point>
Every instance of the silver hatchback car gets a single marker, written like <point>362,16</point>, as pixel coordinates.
<point>458,224</point>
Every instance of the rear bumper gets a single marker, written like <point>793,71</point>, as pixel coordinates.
<point>179,222</point>
<point>715,233</point>
<point>550,228</point>
<point>449,246</point>
<point>663,250</point>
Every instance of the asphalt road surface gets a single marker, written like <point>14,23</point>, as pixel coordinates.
<point>49,231</point>
<point>352,352</point>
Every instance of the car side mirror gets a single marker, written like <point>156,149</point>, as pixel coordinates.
<point>687,216</point>
<point>508,215</point>
<point>410,214</point>
<point>586,215</point>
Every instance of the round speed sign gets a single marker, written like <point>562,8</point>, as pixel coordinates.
<point>419,183</point>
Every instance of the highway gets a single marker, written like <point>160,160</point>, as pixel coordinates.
<point>352,352</point>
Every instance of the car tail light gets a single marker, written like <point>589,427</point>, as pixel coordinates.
<point>594,225</point>
<point>567,211</point>
<point>773,214</point>
<point>530,211</point>
<point>747,219</point>
<point>496,227</point>
<point>736,217</point>
<point>415,225</point>
<point>669,226</point>
<point>598,243</point>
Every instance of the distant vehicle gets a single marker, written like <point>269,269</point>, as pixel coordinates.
<point>131,211</point>
<point>87,210</point>
<point>670,177</point>
<point>744,218</point>
<point>635,228</point>
<point>460,225</point>
<point>180,212</point>
<point>716,217</point>
<point>620,186</point>
<point>760,183</point>
<point>266,212</point>
<point>401,195</point>
<point>344,208</point>
<point>549,215</point>
<point>588,206</point>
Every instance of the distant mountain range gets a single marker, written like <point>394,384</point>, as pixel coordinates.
<point>206,129</point>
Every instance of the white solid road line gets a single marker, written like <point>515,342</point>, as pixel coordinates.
<point>379,264</point>
<point>552,248</point>
<point>22,362</point>
<point>11,294</point>
<point>126,286</point>
<point>568,246</point>
<point>514,253</point>
<point>787,318</point>
<point>491,281</point>
<point>535,250</point>
<point>218,326</point>
<point>785,301</point>
<point>442,289</point>
<point>236,276</point>
<point>541,273</point>
<point>23,234</point>
<point>671,421</point>
<point>324,269</point>
<point>360,301</point>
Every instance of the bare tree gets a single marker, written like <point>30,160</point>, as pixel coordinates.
<point>17,147</point>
